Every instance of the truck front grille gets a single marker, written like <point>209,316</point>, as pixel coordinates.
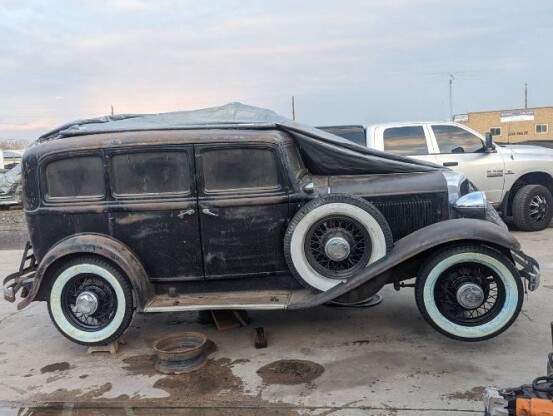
<point>409,213</point>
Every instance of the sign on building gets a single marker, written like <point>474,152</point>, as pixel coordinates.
<point>524,115</point>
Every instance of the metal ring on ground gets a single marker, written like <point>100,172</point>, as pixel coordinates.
<point>366,303</point>
<point>180,353</point>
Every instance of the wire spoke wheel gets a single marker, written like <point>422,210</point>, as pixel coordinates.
<point>89,302</point>
<point>337,246</point>
<point>469,294</point>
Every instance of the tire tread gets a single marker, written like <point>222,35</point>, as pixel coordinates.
<point>521,214</point>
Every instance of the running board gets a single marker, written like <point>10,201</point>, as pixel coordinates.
<point>245,300</point>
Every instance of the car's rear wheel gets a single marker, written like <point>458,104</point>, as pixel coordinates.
<point>90,301</point>
<point>332,238</point>
<point>532,208</point>
<point>469,293</point>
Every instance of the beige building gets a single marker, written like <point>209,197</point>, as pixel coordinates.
<point>512,126</point>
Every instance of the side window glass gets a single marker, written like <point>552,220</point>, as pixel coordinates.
<point>453,139</point>
<point>78,177</point>
<point>354,134</point>
<point>150,173</point>
<point>405,141</point>
<point>239,168</point>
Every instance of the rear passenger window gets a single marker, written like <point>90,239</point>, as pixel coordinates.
<point>150,173</point>
<point>239,169</point>
<point>81,176</point>
<point>405,141</point>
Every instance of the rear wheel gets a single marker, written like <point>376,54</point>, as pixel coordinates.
<point>90,301</point>
<point>469,293</point>
<point>532,208</point>
<point>332,238</point>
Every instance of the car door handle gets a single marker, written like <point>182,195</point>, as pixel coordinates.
<point>451,163</point>
<point>206,211</point>
<point>182,214</point>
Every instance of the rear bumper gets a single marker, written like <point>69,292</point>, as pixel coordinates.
<point>530,269</point>
<point>23,279</point>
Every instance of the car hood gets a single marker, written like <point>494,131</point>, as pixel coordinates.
<point>528,150</point>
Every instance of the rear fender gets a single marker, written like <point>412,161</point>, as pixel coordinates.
<point>424,239</point>
<point>99,245</point>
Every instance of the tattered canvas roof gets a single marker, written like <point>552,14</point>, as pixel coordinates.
<point>323,153</point>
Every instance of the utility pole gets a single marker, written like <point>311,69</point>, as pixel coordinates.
<point>525,95</point>
<point>293,108</point>
<point>451,79</point>
<point>112,109</point>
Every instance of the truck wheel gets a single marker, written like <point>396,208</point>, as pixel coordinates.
<point>532,208</point>
<point>332,238</point>
<point>90,301</point>
<point>469,293</point>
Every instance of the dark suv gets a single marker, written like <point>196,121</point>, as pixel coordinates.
<point>238,208</point>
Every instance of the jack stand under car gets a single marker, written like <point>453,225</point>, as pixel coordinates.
<point>535,399</point>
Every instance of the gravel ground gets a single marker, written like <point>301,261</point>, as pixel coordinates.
<point>13,229</point>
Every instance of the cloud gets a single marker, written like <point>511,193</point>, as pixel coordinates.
<point>344,61</point>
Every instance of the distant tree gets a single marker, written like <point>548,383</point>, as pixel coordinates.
<point>7,144</point>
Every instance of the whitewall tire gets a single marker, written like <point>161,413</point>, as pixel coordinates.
<point>332,238</point>
<point>90,301</point>
<point>469,293</point>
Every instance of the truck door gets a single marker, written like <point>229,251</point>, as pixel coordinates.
<point>412,141</point>
<point>463,151</point>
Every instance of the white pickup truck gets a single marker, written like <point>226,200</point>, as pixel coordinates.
<point>517,179</point>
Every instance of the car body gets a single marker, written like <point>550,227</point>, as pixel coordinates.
<point>502,171</point>
<point>11,189</point>
<point>238,208</point>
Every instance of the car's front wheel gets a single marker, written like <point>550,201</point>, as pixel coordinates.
<point>90,301</point>
<point>532,208</point>
<point>469,293</point>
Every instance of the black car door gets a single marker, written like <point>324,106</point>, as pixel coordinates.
<point>154,209</point>
<point>243,209</point>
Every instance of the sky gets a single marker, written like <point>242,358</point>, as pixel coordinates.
<point>346,62</point>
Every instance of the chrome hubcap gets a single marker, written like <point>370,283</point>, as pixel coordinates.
<point>470,295</point>
<point>538,208</point>
<point>86,303</point>
<point>337,248</point>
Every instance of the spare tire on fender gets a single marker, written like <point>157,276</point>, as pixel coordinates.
<point>334,237</point>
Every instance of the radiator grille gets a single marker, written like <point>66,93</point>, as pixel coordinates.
<point>412,212</point>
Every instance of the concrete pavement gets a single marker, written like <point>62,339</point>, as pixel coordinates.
<point>383,361</point>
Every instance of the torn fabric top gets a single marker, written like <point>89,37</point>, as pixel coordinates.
<point>323,152</point>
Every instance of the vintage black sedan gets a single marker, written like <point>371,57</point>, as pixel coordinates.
<point>236,207</point>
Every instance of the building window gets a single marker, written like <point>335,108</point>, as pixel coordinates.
<point>541,128</point>
<point>495,131</point>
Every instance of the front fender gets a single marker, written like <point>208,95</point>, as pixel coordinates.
<point>100,245</point>
<point>415,243</point>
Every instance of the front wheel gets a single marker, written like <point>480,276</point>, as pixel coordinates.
<point>532,208</point>
<point>90,301</point>
<point>469,293</point>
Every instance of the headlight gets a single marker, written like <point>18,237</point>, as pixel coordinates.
<point>472,205</point>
